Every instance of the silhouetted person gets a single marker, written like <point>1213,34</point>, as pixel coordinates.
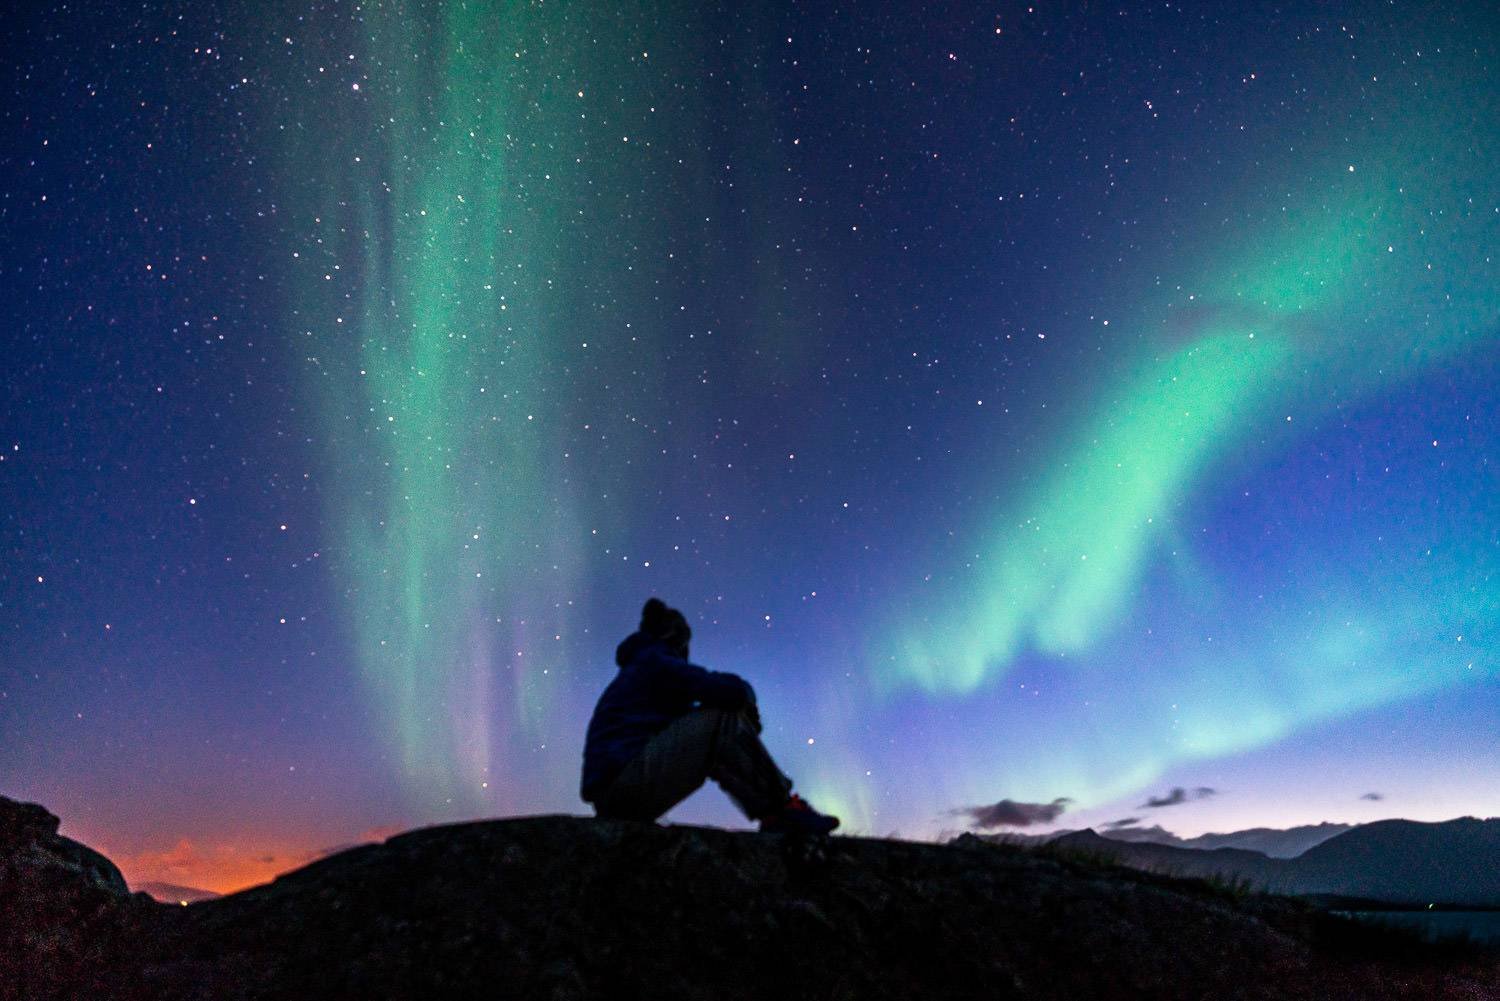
<point>664,725</point>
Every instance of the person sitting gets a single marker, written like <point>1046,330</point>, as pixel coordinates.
<point>664,725</point>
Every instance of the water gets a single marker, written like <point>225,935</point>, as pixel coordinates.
<point>1481,926</point>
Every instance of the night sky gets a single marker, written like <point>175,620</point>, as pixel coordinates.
<point>1052,410</point>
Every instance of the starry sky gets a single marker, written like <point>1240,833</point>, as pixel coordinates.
<point>1063,415</point>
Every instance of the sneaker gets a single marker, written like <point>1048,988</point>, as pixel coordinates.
<point>796,817</point>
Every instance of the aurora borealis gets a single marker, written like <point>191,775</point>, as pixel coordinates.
<point>1034,404</point>
<point>440,475</point>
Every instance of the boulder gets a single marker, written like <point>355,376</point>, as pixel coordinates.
<point>62,908</point>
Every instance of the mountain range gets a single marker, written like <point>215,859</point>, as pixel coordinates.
<point>1397,861</point>
<point>1275,842</point>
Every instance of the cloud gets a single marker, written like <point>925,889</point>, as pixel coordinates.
<point>209,865</point>
<point>227,866</point>
<point>1373,797</point>
<point>1179,795</point>
<point>1115,825</point>
<point>1009,813</point>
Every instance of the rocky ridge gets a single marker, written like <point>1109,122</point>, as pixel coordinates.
<point>570,908</point>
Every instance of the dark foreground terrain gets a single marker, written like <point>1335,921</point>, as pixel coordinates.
<point>564,908</point>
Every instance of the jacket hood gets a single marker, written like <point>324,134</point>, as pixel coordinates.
<point>633,646</point>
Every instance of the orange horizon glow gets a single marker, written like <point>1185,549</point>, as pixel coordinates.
<point>228,867</point>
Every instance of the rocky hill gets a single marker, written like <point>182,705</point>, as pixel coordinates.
<point>574,908</point>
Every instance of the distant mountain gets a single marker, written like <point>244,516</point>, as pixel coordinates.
<point>1275,842</point>
<point>1224,863</point>
<point>1457,861</point>
<point>170,893</point>
<point>1288,843</point>
<point>1401,861</point>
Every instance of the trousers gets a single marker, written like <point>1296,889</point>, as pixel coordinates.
<point>706,743</point>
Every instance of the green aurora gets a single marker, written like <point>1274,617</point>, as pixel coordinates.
<point>441,288</point>
<point>1363,285</point>
<point>433,276</point>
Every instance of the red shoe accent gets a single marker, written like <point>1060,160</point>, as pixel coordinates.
<point>796,815</point>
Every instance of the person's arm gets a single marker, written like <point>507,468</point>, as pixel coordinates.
<point>718,689</point>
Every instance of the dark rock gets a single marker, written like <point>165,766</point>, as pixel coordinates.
<point>573,908</point>
<point>30,842</point>
<point>63,907</point>
<point>24,823</point>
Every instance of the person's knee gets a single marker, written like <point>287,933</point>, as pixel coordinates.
<point>719,718</point>
<point>711,718</point>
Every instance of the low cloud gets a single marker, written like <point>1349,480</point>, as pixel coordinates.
<point>1373,797</point>
<point>175,864</point>
<point>1009,813</point>
<point>1115,825</point>
<point>226,866</point>
<point>1179,795</point>
<point>210,866</point>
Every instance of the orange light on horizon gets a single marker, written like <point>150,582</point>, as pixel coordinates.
<point>229,867</point>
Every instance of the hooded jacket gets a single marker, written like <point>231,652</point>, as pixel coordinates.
<point>654,687</point>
